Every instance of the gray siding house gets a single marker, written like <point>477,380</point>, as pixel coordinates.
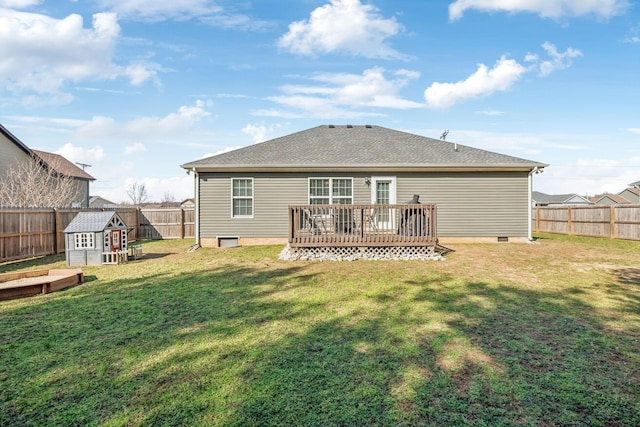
<point>13,152</point>
<point>632,194</point>
<point>244,194</point>
<point>97,202</point>
<point>608,199</point>
<point>542,199</point>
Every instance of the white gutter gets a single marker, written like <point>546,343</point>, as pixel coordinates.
<point>365,168</point>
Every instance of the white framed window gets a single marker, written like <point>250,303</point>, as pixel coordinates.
<point>242,197</point>
<point>330,191</point>
<point>84,241</point>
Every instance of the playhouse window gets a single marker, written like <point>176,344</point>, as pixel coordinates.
<point>84,240</point>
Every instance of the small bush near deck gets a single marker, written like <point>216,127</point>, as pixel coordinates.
<point>498,334</point>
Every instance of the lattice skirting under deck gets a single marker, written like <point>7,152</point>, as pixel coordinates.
<point>352,253</point>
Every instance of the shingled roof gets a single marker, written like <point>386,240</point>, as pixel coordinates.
<point>557,199</point>
<point>62,165</point>
<point>55,161</point>
<point>86,222</point>
<point>359,147</point>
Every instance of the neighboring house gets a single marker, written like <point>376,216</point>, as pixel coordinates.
<point>95,238</point>
<point>542,199</point>
<point>632,194</point>
<point>13,152</point>
<point>608,199</point>
<point>188,203</point>
<point>97,202</point>
<point>246,192</point>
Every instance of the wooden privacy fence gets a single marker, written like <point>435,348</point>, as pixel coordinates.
<point>26,233</point>
<point>159,224</point>
<point>617,221</point>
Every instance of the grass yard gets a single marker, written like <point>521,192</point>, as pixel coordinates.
<point>498,334</point>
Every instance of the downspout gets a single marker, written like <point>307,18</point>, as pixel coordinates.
<point>530,202</point>
<point>196,177</point>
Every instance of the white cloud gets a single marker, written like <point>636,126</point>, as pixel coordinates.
<point>544,8</point>
<point>139,73</point>
<point>206,11</point>
<point>156,10</point>
<point>501,77</point>
<point>633,35</point>
<point>338,95</point>
<point>257,132</point>
<point>79,154</point>
<point>236,21</point>
<point>515,144</point>
<point>343,26</point>
<point>38,100</point>
<point>138,147</point>
<point>587,176</point>
<point>171,126</point>
<point>40,54</point>
<point>180,187</point>
<point>483,82</point>
<point>232,96</point>
<point>558,60</point>
<point>260,132</point>
<point>19,4</point>
<point>57,121</point>
<point>634,130</point>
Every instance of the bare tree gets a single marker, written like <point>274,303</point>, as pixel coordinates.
<point>137,193</point>
<point>167,200</point>
<point>33,183</point>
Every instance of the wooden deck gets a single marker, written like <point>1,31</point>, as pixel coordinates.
<point>362,225</point>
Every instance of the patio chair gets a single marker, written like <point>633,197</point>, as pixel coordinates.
<point>369,219</point>
<point>312,222</point>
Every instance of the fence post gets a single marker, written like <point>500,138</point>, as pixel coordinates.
<point>612,219</point>
<point>181,223</point>
<point>56,227</point>
<point>569,225</point>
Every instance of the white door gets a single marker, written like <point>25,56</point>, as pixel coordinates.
<point>383,192</point>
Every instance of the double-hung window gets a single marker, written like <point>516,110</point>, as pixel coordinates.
<point>330,191</point>
<point>84,241</point>
<point>242,197</point>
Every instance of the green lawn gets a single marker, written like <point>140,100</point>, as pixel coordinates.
<point>498,334</point>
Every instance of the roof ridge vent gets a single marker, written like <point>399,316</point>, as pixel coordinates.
<point>367,126</point>
<point>331,126</point>
<point>349,126</point>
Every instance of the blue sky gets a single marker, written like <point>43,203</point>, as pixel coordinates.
<point>137,87</point>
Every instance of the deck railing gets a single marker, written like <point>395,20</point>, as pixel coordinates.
<point>362,225</point>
